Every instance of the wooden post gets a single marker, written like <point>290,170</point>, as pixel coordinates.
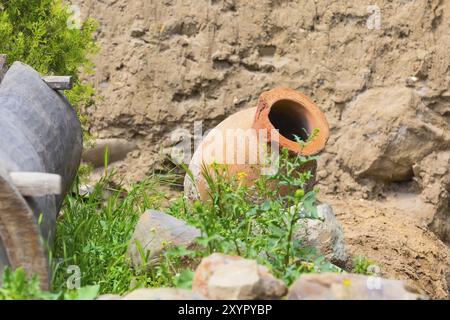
<point>59,82</point>
<point>36,184</point>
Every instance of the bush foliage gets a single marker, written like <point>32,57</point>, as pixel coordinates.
<point>40,34</point>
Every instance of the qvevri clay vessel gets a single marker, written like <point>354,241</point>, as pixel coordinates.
<point>289,112</point>
<point>39,133</point>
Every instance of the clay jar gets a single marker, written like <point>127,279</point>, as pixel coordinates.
<point>239,142</point>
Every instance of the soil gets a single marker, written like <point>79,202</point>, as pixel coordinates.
<point>384,85</point>
<point>390,234</point>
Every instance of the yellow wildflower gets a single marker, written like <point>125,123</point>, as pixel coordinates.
<point>242,175</point>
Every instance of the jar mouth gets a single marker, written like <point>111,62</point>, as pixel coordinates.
<point>291,119</point>
<point>293,115</point>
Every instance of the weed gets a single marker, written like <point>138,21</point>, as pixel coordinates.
<point>94,230</point>
<point>256,221</point>
<point>259,221</point>
<point>17,286</point>
<point>362,265</point>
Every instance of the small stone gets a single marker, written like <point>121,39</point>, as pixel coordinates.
<point>333,286</point>
<point>163,294</point>
<point>411,81</point>
<point>224,277</point>
<point>235,281</point>
<point>86,190</point>
<point>157,231</point>
<point>138,31</point>
<point>325,235</point>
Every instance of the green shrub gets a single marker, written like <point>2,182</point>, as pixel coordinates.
<point>37,33</point>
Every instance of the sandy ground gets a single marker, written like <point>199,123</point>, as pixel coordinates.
<point>394,235</point>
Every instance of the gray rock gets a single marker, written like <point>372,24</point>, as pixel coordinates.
<point>400,131</point>
<point>325,235</point>
<point>86,190</point>
<point>224,277</point>
<point>155,232</point>
<point>163,294</point>
<point>333,286</point>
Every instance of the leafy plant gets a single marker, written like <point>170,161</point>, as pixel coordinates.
<point>84,293</point>
<point>256,221</point>
<point>38,33</point>
<point>362,265</point>
<point>259,221</point>
<point>17,286</point>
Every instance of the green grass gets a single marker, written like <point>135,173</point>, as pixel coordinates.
<point>256,222</point>
<point>363,265</point>
<point>94,231</point>
<point>17,286</point>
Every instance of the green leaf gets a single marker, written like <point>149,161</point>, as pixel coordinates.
<point>84,293</point>
<point>309,205</point>
<point>184,279</point>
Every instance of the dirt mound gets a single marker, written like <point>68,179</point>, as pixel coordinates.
<point>391,235</point>
<point>379,72</point>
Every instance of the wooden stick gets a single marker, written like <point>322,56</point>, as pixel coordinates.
<point>59,82</point>
<point>36,184</point>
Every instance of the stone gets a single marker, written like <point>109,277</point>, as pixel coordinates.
<point>398,132</point>
<point>223,277</point>
<point>155,232</point>
<point>432,174</point>
<point>325,235</point>
<point>86,190</point>
<point>334,286</point>
<point>411,81</point>
<point>163,294</point>
<point>137,32</point>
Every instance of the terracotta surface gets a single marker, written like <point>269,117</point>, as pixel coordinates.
<point>240,126</point>
<point>299,107</point>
